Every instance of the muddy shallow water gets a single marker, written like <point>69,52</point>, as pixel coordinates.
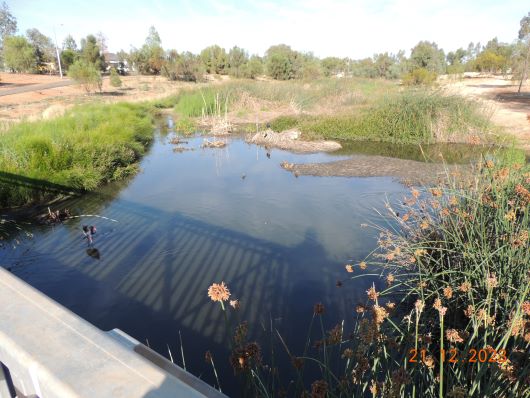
<point>199,216</point>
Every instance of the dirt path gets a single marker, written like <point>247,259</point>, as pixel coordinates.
<point>23,88</point>
<point>499,96</point>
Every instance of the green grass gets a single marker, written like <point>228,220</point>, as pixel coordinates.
<point>412,116</point>
<point>88,146</point>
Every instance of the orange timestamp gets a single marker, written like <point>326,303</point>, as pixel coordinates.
<point>453,355</point>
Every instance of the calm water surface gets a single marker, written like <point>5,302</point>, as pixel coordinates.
<point>190,219</point>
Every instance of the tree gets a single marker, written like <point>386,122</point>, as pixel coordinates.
<point>427,55</point>
<point>8,23</point>
<point>419,76</point>
<point>115,80</point>
<point>489,61</point>
<point>254,67</point>
<point>86,74</point>
<point>282,62</point>
<point>43,47</point>
<point>237,58</point>
<point>68,57</point>
<point>149,59</point>
<point>19,55</point>
<point>331,66</point>
<point>214,59</point>
<point>91,53</point>
<point>69,43</point>
<point>524,38</point>
<point>185,66</point>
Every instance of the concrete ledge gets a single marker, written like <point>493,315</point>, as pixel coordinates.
<point>51,352</point>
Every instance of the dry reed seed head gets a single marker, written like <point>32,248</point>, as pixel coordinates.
<point>318,309</point>
<point>469,311</point>
<point>362,265</point>
<point>405,217</point>
<point>521,239</point>
<point>374,388</point>
<point>372,293</point>
<point>235,304</point>
<point>445,212</point>
<point>360,309</point>
<point>437,304</point>
<point>453,336</point>
<point>448,292</point>
<point>349,268</point>
<point>489,164</point>
<point>297,362</point>
<point>347,353</point>
<point>379,314</point>
<point>319,389</point>
<point>429,361</point>
<point>390,306</point>
<point>334,335</point>
<point>510,216</point>
<point>390,278</point>
<point>526,307</point>
<point>522,193</point>
<point>218,292</point>
<point>424,224</point>
<point>453,201</point>
<point>465,287</point>
<point>415,193</point>
<point>420,252</point>
<point>491,281</point>
<point>208,357</point>
<point>435,204</point>
<point>436,192</point>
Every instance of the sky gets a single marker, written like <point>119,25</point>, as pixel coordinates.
<point>354,28</point>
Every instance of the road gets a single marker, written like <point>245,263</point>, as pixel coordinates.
<point>35,87</point>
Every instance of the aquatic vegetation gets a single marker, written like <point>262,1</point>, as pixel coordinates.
<point>454,317</point>
<point>88,146</point>
<point>411,116</point>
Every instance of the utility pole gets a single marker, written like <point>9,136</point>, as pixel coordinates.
<point>57,52</point>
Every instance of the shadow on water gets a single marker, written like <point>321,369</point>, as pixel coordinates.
<point>156,282</point>
<point>32,188</point>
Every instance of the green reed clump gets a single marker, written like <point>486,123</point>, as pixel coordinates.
<point>412,116</point>
<point>88,146</point>
<point>454,318</point>
<point>203,102</point>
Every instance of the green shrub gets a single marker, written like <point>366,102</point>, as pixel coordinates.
<point>419,76</point>
<point>115,80</point>
<point>86,74</point>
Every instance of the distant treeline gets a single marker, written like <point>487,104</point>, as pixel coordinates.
<point>36,52</point>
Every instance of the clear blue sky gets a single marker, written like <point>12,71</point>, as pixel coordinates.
<point>355,28</point>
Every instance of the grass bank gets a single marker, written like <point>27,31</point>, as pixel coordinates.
<point>88,146</point>
<point>451,317</point>
<point>343,109</point>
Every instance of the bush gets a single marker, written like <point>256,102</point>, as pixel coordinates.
<point>86,74</point>
<point>115,80</point>
<point>419,76</point>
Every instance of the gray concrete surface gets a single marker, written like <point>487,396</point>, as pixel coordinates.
<point>51,352</point>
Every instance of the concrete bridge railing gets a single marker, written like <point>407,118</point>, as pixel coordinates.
<point>46,351</point>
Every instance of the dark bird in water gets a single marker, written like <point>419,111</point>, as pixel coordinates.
<point>269,155</point>
<point>93,252</point>
<point>268,125</point>
<point>243,176</point>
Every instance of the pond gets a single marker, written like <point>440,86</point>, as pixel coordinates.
<point>191,218</point>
